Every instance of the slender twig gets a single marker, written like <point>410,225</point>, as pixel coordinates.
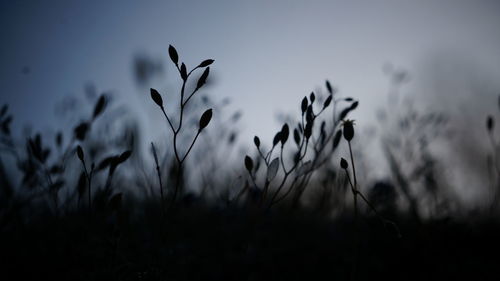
<point>176,130</point>
<point>158,172</point>
<point>89,180</point>
<point>262,156</point>
<point>315,159</point>
<point>168,119</point>
<point>371,207</point>
<point>195,90</point>
<point>191,146</point>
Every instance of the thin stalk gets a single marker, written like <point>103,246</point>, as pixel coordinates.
<point>191,146</point>
<point>263,157</point>
<point>177,185</point>
<point>89,179</point>
<point>355,198</point>
<point>287,173</point>
<point>176,132</point>
<point>264,193</point>
<point>158,172</point>
<point>168,119</point>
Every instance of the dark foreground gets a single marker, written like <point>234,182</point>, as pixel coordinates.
<point>229,244</point>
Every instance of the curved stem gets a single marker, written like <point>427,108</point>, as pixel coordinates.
<point>177,185</point>
<point>282,161</point>
<point>191,146</point>
<point>168,119</point>
<point>182,106</point>
<point>353,167</point>
<point>177,157</point>
<point>87,175</point>
<point>269,154</point>
<point>191,95</point>
<point>262,156</point>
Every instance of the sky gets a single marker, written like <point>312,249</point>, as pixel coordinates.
<point>269,54</point>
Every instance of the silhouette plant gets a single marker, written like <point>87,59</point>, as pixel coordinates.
<point>43,172</point>
<point>406,137</point>
<point>81,156</point>
<point>277,173</point>
<point>348,133</point>
<point>158,171</point>
<point>112,162</point>
<point>320,143</point>
<point>184,100</point>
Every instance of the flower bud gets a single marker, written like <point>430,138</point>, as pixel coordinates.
<point>348,130</point>
<point>489,123</point>
<point>248,163</point>
<point>343,163</point>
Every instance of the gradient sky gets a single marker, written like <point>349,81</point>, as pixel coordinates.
<point>265,50</point>
<point>268,53</point>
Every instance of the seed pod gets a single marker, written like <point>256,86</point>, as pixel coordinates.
<point>329,87</point>
<point>184,74</point>
<point>106,162</point>
<point>276,138</point>
<point>322,132</point>
<point>296,136</point>
<point>285,131</point>
<point>100,106</point>
<point>348,130</point>
<point>79,153</point>
<point>309,114</point>
<point>343,163</point>
<point>206,63</point>
<point>173,54</point>
<point>303,105</point>
<point>156,97</point>
<point>490,123</point>
<point>80,131</point>
<point>248,164</point>
<point>308,129</point>
<point>205,119</point>
<point>296,157</point>
<point>327,101</point>
<point>256,141</point>
<point>124,156</point>
<point>203,78</point>
<point>312,97</point>
<point>354,105</point>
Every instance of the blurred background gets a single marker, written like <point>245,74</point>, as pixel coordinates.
<point>92,188</point>
<point>438,57</point>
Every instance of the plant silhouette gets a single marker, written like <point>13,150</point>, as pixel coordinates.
<point>88,204</point>
<point>184,100</point>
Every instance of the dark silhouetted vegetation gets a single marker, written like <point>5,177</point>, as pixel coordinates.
<point>86,206</point>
